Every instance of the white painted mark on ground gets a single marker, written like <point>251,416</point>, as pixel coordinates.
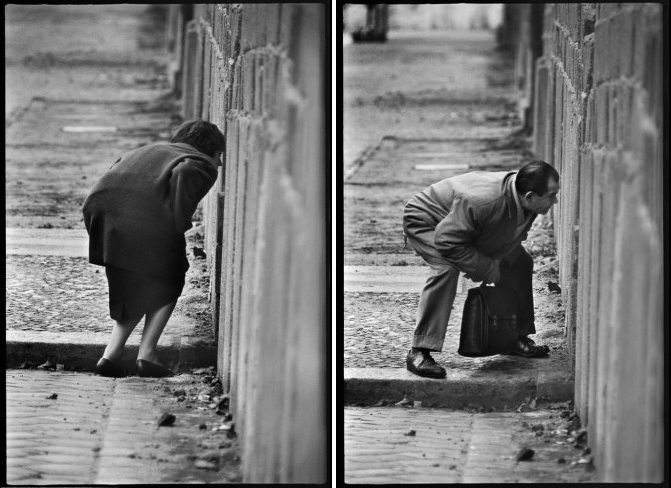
<point>47,242</point>
<point>440,167</point>
<point>88,128</point>
<point>389,279</point>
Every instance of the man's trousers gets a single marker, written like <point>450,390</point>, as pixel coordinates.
<point>437,298</point>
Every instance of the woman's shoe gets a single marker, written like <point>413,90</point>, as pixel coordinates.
<point>527,348</point>
<point>106,367</point>
<point>148,369</point>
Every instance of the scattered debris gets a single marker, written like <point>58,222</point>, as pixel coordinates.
<point>47,365</point>
<point>209,370</point>
<point>224,403</point>
<point>228,427</point>
<point>166,420</point>
<point>202,464</point>
<point>527,405</point>
<point>404,403</point>
<point>202,426</point>
<point>53,396</point>
<point>552,286</point>
<point>179,393</point>
<point>525,454</point>
<point>410,433</point>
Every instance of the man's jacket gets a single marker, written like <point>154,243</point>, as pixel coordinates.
<point>137,213</point>
<point>475,217</point>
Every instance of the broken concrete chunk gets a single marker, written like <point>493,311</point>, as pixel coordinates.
<point>405,402</point>
<point>47,365</point>
<point>166,420</point>
<point>202,464</point>
<point>525,454</point>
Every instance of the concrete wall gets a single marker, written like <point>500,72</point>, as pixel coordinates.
<point>521,34</point>
<point>256,70</point>
<point>598,118</point>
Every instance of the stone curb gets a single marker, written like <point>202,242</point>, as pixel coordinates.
<point>368,386</point>
<point>80,352</point>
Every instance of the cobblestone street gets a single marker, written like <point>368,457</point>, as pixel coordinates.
<point>67,294</point>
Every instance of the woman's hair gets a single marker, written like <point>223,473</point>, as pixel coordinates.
<point>203,135</point>
<point>535,177</point>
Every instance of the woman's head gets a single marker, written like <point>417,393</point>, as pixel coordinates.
<point>203,135</point>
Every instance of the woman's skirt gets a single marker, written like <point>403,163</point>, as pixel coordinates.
<point>133,294</point>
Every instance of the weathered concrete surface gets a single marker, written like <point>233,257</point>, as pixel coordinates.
<point>460,388</point>
<point>255,70</point>
<point>105,431</point>
<point>599,119</point>
<point>80,351</point>
<point>427,445</point>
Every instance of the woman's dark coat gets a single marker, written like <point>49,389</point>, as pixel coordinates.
<point>136,215</point>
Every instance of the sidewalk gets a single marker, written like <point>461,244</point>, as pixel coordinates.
<point>106,431</point>
<point>70,114</point>
<point>419,445</point>
<point>57,306</point>
<point>440,105</point>
<point>85,84</point>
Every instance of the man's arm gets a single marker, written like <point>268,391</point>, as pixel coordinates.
<point>454,238</point>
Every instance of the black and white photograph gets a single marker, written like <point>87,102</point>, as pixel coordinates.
<point>167,176</point>
<point>503,243</point>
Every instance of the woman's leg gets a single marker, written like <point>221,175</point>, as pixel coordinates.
<point>153,328</point>
<point>120,334</point>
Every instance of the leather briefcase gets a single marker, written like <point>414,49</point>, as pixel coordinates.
<point>489,323</point>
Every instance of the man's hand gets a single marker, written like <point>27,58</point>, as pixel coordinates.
<point>495,274</point>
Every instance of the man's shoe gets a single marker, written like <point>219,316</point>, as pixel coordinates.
<point>421,363</point>
<point>111,369</point>
<point>148,369</point>
<point>527,348</point>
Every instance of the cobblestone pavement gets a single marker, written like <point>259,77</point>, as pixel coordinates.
<point>378,329</point>
<point>102,430</point>
<point>64,294</point>
<point>456,447</point>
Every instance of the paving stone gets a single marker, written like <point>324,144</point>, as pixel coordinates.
<point>15,473</point>
<point>481,446</point>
